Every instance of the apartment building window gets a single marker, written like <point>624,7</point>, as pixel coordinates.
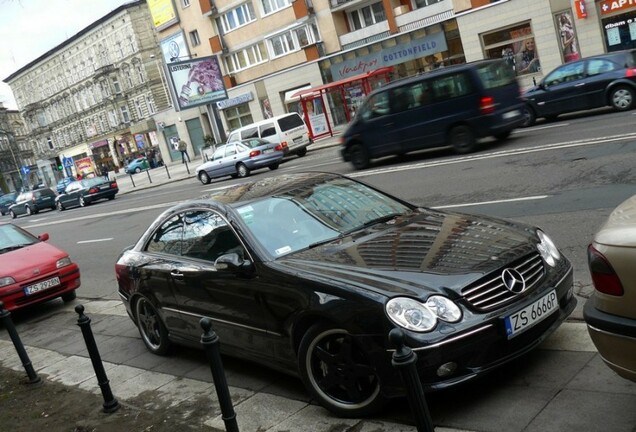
<point>151,104</point>
<point>424,3</point>
<point>246,58</point>
<point>120,50</point>
<point>185,3</point>
<point>125,115</point>
<point>116,85</point>
<point>366,16</point>
<point>140,72</point>
<point>194,38</point>
<point>105,89</point>
<point>293,40</point>
<point>112,118</point>
<point>271,6</point>
<point>102,123</point>
<point>129,78</point>
<point>238,116</point>
<point>139,107</point>
<point>238,17</point>
<point>132,44</point>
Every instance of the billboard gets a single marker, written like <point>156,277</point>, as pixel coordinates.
<point>163,13</point>
<point>197,81</point>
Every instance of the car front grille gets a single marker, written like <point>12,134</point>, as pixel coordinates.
<point>491,293</point>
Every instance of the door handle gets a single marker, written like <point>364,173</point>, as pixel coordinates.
<point>176,274</point>
<point>579,85</point>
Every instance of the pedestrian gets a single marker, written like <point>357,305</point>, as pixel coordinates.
<point>183,148</point>
<point>79,176</point>
<point>104,171</point>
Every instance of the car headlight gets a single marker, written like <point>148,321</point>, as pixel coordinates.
<point>548,249</point>
<point>422,317</point>
<point>6,281</point>
<point>63,262</point>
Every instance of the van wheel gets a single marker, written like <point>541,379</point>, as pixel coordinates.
<point>302,152</point>
<point>242,170</point>
<point>359,156</point>
<point>462,139</point>
<point>529,117</point>
<point>204,177</point>
<point>622,98</point>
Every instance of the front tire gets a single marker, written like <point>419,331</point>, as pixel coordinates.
<point>60,206</point>
<point>337,372</point>
<point>242,170</point>
<point>204,177</point>
<point>68,297</point>
<point>529,116</point>
<point>462,139</point>
<point>359,156</point>
<point>151,328</point>
<point>82,202</point>
<point>29,211</point>
<point>622,98</point>
<point>13,215</point>
<point>503,135</point>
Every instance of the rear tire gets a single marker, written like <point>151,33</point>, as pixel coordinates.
<point>204,177</point>
<point>242,170</point>
<point>137,170</point>
<point>273,167</point>
<point>462,139</point>
<point>302,152</point>
<point>622,98</point>
<point>359,156</point>
<point>152,330</point>
<point>82,202</point>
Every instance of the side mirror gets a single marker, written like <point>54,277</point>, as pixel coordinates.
<point>232,261</point>
<point>43,237</point>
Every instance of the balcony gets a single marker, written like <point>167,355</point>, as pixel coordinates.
<point>104,70</point>
<point>337,5</point>
<point>365,35</point>
<point>426,16</point>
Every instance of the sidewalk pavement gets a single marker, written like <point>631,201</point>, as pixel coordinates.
<point>178,171</point>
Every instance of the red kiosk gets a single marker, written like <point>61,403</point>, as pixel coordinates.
<point>352,90</point>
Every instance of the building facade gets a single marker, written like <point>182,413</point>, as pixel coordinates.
<point>88,103</point>
<point>16,155</point>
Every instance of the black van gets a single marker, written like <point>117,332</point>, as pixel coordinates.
<point>451,106</point>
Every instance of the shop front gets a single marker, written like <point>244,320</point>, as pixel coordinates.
<point>618,23</point>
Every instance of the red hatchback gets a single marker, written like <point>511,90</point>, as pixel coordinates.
<point>33,271</point>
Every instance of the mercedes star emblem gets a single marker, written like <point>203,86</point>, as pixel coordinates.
<point>513,281</point>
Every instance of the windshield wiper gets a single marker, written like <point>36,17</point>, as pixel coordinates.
<point>11,248</point>
<point>379,220</point>
<point>322,242</point>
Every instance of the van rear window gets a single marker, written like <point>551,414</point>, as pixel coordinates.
<point>496,74</point>
<point>290,122</point>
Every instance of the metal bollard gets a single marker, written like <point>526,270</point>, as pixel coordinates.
<point>131,179</point>
<point>110,403</point>
<point>404,359</point>
<point>210,342</point>
<point>5,316</point>
<point>167,171</point>
<point>187,168</point>
<point>148,173</point>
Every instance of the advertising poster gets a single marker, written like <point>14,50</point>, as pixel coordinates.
<point>84,166</point>
<point>568,41</point>
<point>197,82</point>
<point>162,12</point>
<point>316,116</point>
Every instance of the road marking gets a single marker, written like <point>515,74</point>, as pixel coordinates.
<point>534,128</point>
<point>94,241</point>
<point>530,198</point>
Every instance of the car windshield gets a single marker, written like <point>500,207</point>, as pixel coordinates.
<point>305,218</point>
<point>12,238</point>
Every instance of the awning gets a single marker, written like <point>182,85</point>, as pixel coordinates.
<point>290,96</point>
<point>304,90</point>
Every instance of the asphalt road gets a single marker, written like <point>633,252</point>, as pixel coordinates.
<point>564,176</point>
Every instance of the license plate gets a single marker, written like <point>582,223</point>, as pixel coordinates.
<point>104,187</point>
<point>511,114</point>
<point>532,314</point>
<point>268,151</point>
<point>298,139</point>
<point>41,286</point>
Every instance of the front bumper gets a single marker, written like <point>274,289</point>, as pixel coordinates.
<point>614,337</point>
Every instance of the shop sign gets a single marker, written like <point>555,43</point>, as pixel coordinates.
<point>581,9</point>
<point>238,100</point>
<point>411,50</point>
<point>611,6</point>
<point>98,144</point>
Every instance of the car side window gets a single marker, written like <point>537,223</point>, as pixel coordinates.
<point>451,86</point>
<point>600,66</point>
<point>207,236</point>
<point>233,136</point>
<point>566,73</point>
<point>376,106</point>
<point>268,130</point>
<point>219,153</point>
<point>230,150</point>
<point>168,237</point>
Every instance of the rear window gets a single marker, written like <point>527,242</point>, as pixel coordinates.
<point>496,74</point>
<point>290,122</point>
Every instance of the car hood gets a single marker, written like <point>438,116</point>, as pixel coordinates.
<point>430,251</point>
<point>620,227</point>
<point>21,264</point>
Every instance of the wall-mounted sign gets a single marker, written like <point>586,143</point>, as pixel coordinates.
<point>163,13</point>
<point>611,6</point>
<point>237,100</point>
<point>174,48</point>
<point>581,9</point>
<point>197,82</point>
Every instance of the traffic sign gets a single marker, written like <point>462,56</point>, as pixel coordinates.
<point>25,170</point>
<point>67,162</point>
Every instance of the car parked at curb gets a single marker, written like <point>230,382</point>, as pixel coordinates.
<point>308,273</point>
<point>240,158</point>
<point>32,270</point>
<point>137,165</point>
<point>85,192</point>
<point>610,313</point>
<point>31,202</point>
<point>61,185</point>
<point>591,82</point>
<point>6,201</point>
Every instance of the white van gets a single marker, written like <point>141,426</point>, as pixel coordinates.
<point>288,128</point>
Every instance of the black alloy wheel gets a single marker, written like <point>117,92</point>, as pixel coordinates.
<point>462,139</point>
<point>338,373</point>
<point>60,206</point>
<point>29,211</point>
<point>242,170</point>
<point>82,202</point>
<point>359,156</point>
<point>529,117</point>
<point>152,330</point>
<point>622,98</point>
<point>204,177</point>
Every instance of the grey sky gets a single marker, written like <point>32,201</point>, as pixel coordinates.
<point>29,28</point>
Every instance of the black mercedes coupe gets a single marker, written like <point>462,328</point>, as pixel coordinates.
<point>307,273</point>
